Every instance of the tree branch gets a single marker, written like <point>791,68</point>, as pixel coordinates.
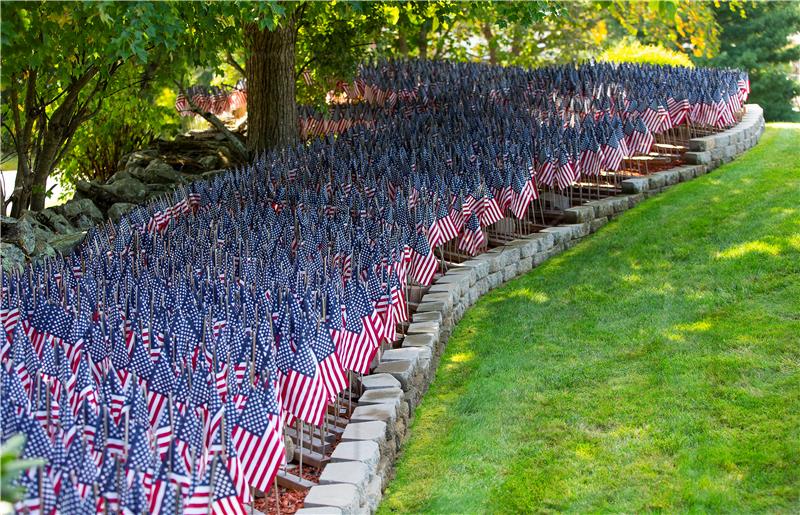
<point>230,59</point>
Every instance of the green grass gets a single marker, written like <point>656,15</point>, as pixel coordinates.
<point>653,367</point>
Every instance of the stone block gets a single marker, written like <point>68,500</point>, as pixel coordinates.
<point>580,230</point>
<point>430,316</point>
<point>429,327</point>
<point>383,396</point>
<point>445,298</point>
<point>634,199</point>
<point>479,267</point>
<point>344,497</point>
<point>524,265</point>
<point>656,182</point>
<point>686,173</point>
<point>559,233</point>
<point>375,412</point>
<point>403,371</point>
<point>366,452</point>
<point>702,144</point>
<point>501,257</point>
<point>451,289</point>
<point>509,272</point>
<point>578,214</point>
<point>471,296</point>
<point>601,208</point>
<point>540,257</point>
<point>671,177</point>
<point>455,281</point>
<point>379,381</point>
<point>526,247</point>
<point>597,223</point>
<point>365,431</point>
<point>346,473</point>
<point>482,286</point>
<point>635,185</point>
<point>423,340</point>
<point>374,494</point>
<point>412,354</point>
<point>698,158</point>
<point>495,280</point>
<point>544,240</point>
<point>426,306</point>
<point>327,510</point>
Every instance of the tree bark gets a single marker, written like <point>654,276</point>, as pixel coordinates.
<point>490,43</point>
<point>422,43</point>
<point>271,110</point>
<point>402,44</point>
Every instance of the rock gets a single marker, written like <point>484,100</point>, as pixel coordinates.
<point>159,172</point>
<point>64,243</point>
<point>138,158</point>
<point>116,211</point>
<point>379,381</point>
<point>12,257</point>
<point>55,221</point>
<point>341,496</point>
<point>20,232</point>
<point>126,190</point>
<point>83,213</point>
<point>124,174</point>
<point>209,162</point>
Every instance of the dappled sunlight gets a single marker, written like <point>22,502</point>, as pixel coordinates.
<point>632,278</point>
<point>535,296</point>
<point>696,327</point>
<point>751,247</point>
<point>785,125</point>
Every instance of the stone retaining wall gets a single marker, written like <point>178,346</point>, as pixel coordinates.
<point>363,463</point>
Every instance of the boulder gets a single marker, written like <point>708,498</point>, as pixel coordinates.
<point>64,243</point>
<point>82,213</point>
<point>138,158</point>
<point>52,219</point>
<point>116,211</point>
<point>124,174</point>
<point>12,257</point>
<point>158,172</point>
<point>20,232</point>
<point>209,162</point>
<point>127,190</point>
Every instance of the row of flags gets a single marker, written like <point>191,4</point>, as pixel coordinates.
<point>156,367</point>
<point>214,99</point>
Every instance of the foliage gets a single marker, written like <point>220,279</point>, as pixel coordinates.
<point>541,33</point>
<point>628,51</point>
<point>650,368</point>
<point>683,25</point>
<point>55,78</point>
<point>332,39</point>
<point>757,41</point>
<point>128,121</point>
<point>11,466</point>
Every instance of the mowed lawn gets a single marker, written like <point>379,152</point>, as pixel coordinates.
<point>654,367</point>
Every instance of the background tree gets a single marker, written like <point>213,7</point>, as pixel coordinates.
<point>758,41</point>
<point>61,61</point>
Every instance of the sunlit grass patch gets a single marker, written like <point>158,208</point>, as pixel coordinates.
<point>653,367</point>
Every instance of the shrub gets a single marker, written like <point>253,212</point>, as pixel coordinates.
<point>634,52</point>
<point>128,121</point>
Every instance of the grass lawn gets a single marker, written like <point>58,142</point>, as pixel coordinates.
<point>655,366</point>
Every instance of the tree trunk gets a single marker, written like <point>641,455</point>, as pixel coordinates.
<point>402,44</point>
<point>490,43</point>
<point>271,110</point>
<point>422,43</point>
<point>21,196</point>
